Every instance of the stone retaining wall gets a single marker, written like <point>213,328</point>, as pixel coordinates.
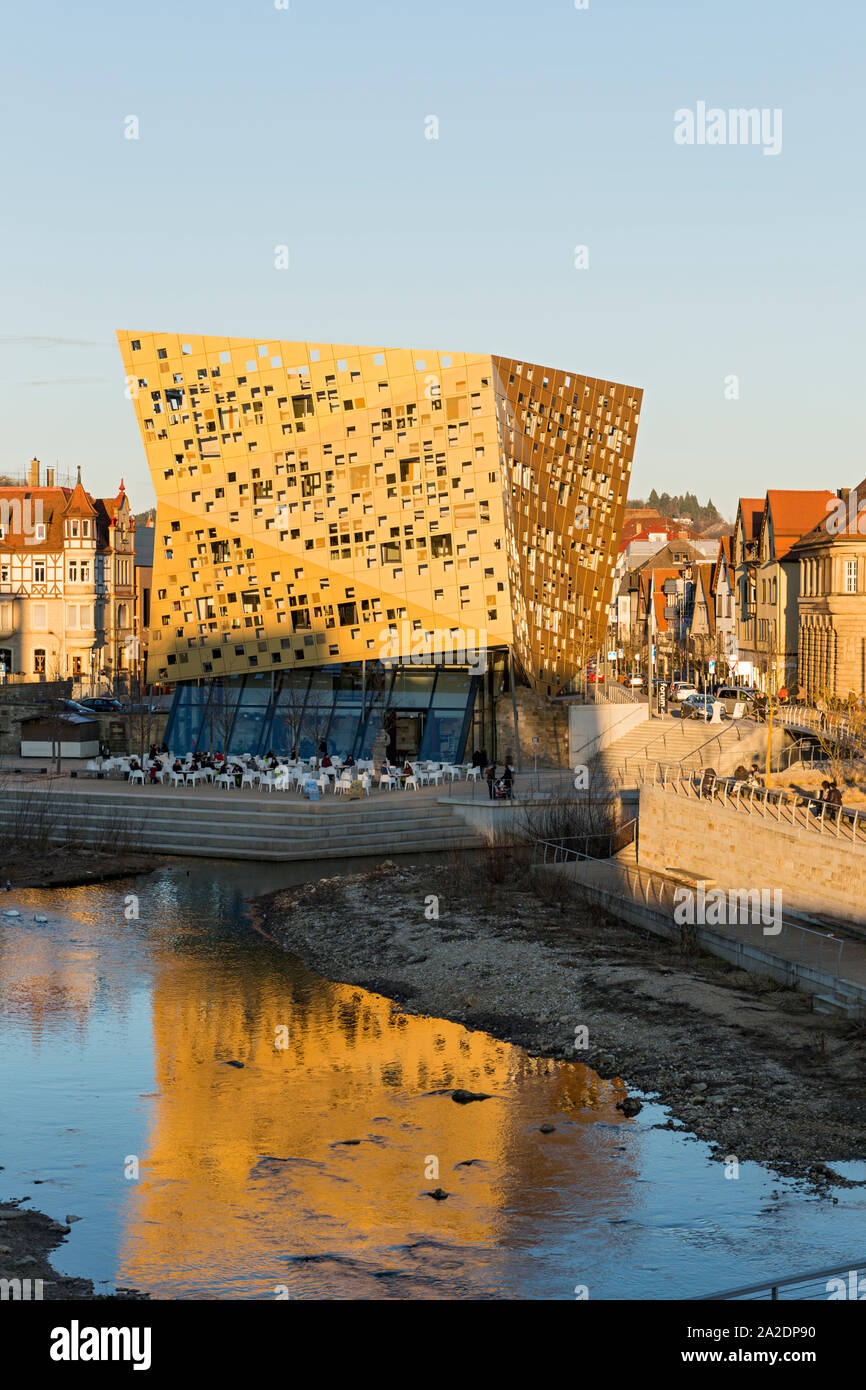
<point>819,874</point>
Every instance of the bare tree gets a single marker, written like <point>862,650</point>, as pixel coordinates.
<point>224,702</point>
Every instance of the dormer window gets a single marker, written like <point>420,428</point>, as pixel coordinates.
<point>40,532</point>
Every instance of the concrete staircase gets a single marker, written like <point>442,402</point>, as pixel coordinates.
<point>672,740</point>
<point>234,825</point>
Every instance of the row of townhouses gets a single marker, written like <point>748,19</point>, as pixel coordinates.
<point>782,604</point>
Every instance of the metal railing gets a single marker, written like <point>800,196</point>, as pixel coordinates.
<point>809,1286</point>
<point>657,893</point>
<point>622,695</point>
<point>805,750</point>
<point>559,851</point>
<point>779,805</point>
<point>833,726</point>
<point>670,737</point>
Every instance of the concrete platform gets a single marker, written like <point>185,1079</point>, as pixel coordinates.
<point>212,822</point>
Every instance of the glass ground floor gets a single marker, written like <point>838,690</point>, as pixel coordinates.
<point>436,712</point>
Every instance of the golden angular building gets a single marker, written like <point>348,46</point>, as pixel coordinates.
<point>341,527</point>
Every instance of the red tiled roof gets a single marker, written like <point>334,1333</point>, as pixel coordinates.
<point>56,504</point>
<point>795,513</point>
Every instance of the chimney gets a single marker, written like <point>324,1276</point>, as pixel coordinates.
<point>842,493</point>
<point>49,477</point>
<point>33,473</point>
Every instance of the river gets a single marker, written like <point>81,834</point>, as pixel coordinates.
<point>194,1178</point>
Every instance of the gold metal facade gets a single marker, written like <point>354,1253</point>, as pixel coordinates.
<point>322,503</point>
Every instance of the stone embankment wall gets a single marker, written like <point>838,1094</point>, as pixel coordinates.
<point>537,717</point>
<point>817,873</point>
<point>122,733</point>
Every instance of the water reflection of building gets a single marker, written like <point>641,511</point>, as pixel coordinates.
<point>198,1208</point>
<point>48,981</point>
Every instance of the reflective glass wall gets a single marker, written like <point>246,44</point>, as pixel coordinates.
<point>427,712</point>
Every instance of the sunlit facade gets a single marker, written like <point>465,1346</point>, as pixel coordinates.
<point>327,514</point>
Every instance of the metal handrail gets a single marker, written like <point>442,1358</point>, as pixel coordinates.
<point>737,724</point>
<point>561,854</point>
<point>773,1286</point>
<point>781,761</point>
<point>740,796</point>
<point>823,723</point>
<point>664,889</point>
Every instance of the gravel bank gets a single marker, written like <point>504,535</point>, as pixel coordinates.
<point>26,1240</point>
<point>741,1063</point>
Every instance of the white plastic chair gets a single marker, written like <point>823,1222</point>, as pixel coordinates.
<point>342,785</point>
<point>472,774</point>
<point>225,781</point>
<point>249,780</point>
<point>436,775</point>
<point>366,779</point>
<point>177,778</point>
<point>137,776</point>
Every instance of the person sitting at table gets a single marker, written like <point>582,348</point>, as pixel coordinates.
<point>349,761</point>
<point>326,761</point>
<point>177,765</point>
<point>134,765</point>
<point>408,770</point>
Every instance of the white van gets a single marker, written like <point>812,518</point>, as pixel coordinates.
<point>730,694</point>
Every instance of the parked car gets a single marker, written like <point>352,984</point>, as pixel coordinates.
<point>635,680</point>
<point>681,690</point>
<point>103,704</point>
<point>75,707</point>
<point>699,707</point>
<point>730,694</point>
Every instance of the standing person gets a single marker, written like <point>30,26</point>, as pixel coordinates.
<point>482,759</point>
<point>508,779</point>
<point>490,775</point>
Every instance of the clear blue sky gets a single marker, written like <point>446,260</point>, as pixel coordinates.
<point>305,126</point>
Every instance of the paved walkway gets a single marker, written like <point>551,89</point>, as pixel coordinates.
<point>820,950</point>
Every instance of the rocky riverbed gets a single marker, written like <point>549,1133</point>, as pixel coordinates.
<point>64,867</point>
<point>740,1062</point>
<point>27,1238</point>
